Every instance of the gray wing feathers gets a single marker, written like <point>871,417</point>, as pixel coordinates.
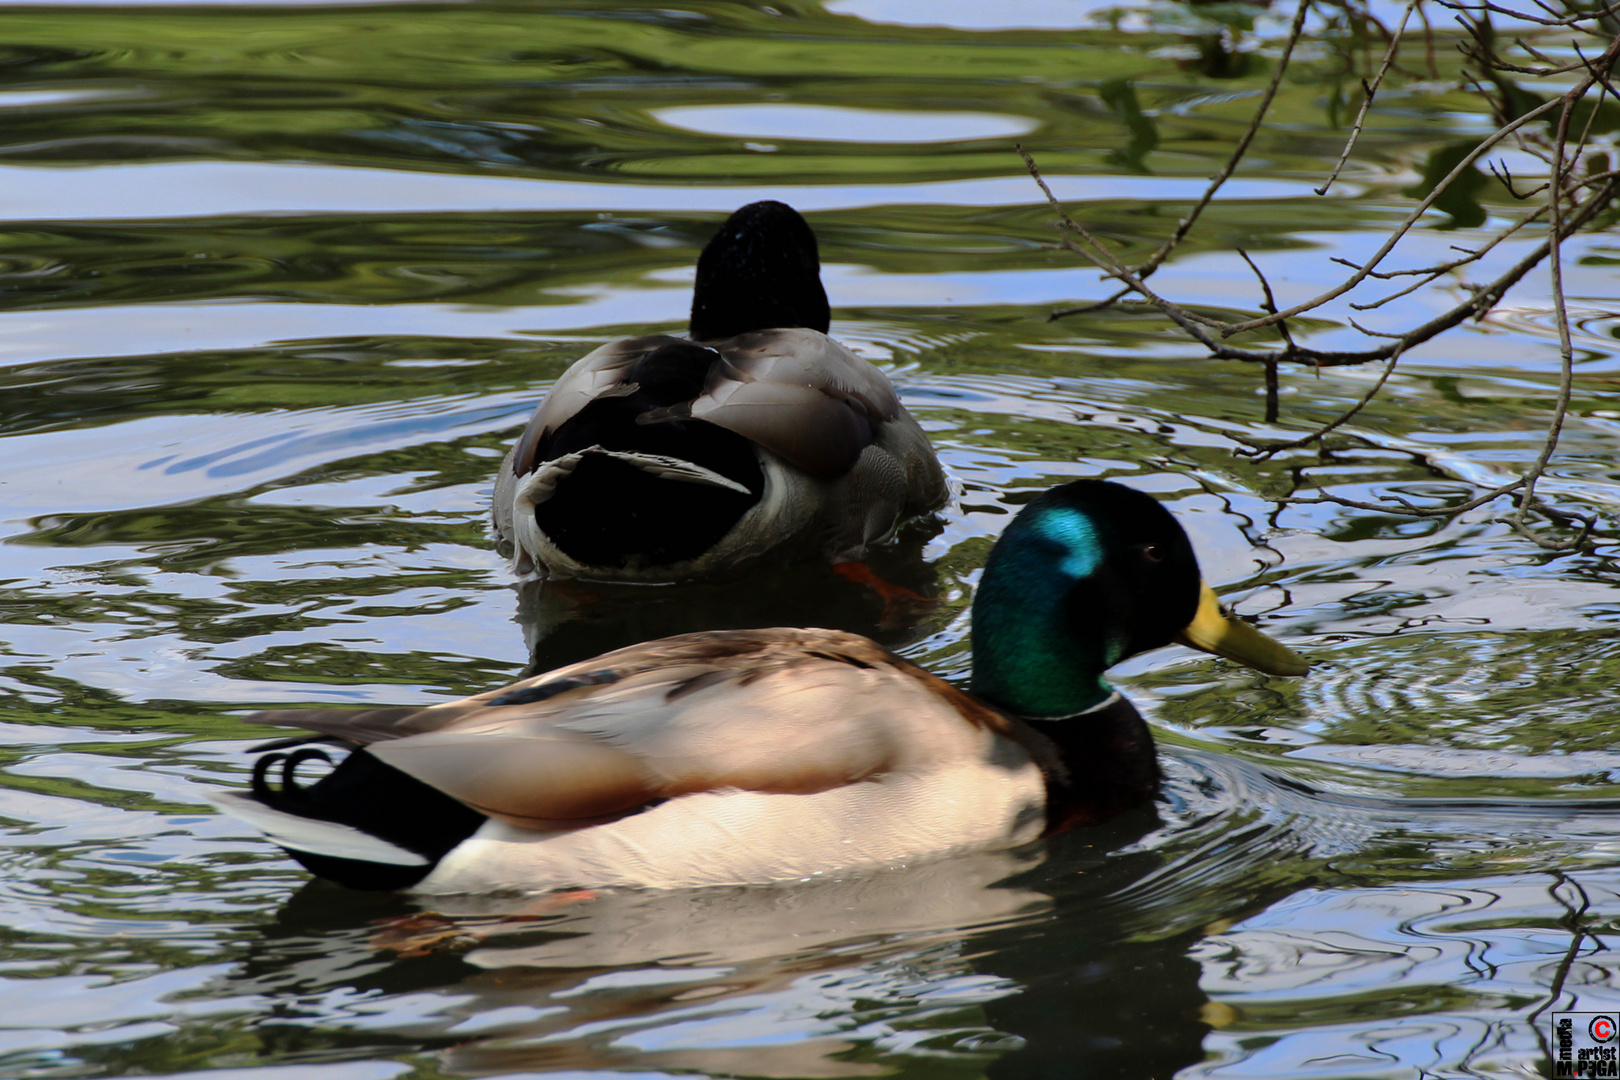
<point>812,402</point>
<point>802,396</point>
<point>599,373</point>
<point>533,778</point>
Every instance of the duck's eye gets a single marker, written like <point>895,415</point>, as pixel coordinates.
<point>1152,553</point>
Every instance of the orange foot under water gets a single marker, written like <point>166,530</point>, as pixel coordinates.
<point>901,606</point>
<point>428,931</point>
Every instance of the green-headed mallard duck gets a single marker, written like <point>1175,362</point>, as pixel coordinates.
<point>764,755</point>
<point>663,458</point>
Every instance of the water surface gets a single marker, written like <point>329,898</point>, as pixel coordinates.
<point>278,285</point>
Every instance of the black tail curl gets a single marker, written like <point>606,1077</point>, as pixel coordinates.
<point>292,798</point>
<point>372,796</point>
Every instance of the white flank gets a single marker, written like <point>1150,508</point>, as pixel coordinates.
<point>733,837</point>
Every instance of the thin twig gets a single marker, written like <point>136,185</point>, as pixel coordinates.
<point>1566,350</point>
<point>1270,301</point>
<point>1366,102</point>
<point>1428,43</point>
<point>1282,328</point>
<point>1560,176</point>
<point>1533,51</point>
<point>1095,305</point>
<point>1261,453</point>
<point>1603,80</point>
<point>1505,175</point>
<point>1375,333</point>
<point>1295,30</point>
<point>1433,272</point>
<point>1564,20</point>
<point>1581,539</point>
<point>1097,252</point>
<point>1519,69</point>
<point>1400,230</point>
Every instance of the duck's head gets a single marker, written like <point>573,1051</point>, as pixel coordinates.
<point>761,271</point>
<point>1086,575</point>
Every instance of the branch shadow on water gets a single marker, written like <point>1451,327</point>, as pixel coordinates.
<point>1461,199</point>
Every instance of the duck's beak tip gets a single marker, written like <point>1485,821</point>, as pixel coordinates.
<point>1214,631</point>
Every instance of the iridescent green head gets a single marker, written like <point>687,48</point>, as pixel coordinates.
<point>1086,575</point>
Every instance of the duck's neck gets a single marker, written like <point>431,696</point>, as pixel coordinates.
<point>1106,764</point>
<point>1027,668</point>
<point>1029,657</point>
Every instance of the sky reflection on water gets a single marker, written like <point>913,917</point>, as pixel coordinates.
<point>277,287</point>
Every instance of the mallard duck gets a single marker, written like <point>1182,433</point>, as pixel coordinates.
<point>751,756</point>
<point>664,459</point>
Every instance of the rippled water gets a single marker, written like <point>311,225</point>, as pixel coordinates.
<point>277,287</point>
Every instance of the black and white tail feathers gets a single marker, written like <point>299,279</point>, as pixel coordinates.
<point>365,824</point>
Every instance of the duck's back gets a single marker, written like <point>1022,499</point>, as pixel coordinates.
<point>659,458</point>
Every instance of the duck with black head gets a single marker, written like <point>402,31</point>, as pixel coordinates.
<point>662,458</point>
<point>751,756</point>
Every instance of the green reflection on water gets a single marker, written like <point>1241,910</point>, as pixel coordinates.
<point>248,456</point>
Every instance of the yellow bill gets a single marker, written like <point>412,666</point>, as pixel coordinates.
<point>1213,631</point>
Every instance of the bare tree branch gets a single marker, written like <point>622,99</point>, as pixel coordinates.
<point>1184,226</point>
<point>1400,230</point>
<point>1578,188</point>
